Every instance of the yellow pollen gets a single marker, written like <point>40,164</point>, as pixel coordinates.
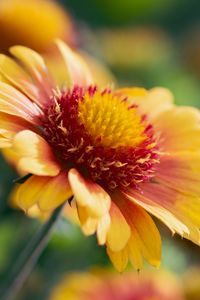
<point>109,121</point>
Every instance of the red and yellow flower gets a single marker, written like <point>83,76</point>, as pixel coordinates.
<point>120,153</point>
<point>108,286</point>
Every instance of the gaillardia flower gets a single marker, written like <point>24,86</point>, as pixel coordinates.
<point>120,153</point>
<point>105,285</point>
<point>34,23</point>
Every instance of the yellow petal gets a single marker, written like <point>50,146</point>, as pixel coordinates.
<point>35,65</point>
<point>45,191</point>
<point>152,102</point>
<point>35,155</point>
<point>15,103</point>
<point>9,126</point>
<point>119,259</point>
<point>143,230</point>
<point>180,212</point>
<point>89,194</point>
<point>56,191</point>
<point>88,224</point>
<point>18,77</point>
<point>179,129</point>
<point>119,231</point>
<point>77,71</point>
<point>102,229</point>
<point>135,254</point>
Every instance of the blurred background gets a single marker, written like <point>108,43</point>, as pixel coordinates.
<point>139,43</point>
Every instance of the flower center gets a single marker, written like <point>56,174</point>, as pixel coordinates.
<point>110,121</point>
<point>101,135</point>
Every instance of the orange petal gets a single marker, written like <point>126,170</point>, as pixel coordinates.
<point>77,71</point>
<point>152,102</point>
<point>45,191</point>
<point>180,212</point>
<point>15,103</point>
<point>119,259</point>
<point>18,77</point>
<point>89,194</point>
<point>179,129</point>
<point>35,154</point>
<point>143,230</point>
<point>35,65</point>
<point>119,231</point>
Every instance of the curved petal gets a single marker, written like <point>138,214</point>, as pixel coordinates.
<point>119,231</point>
<point>89,194</point>
<point>179,129</point>
<point>9,126</point>
<point>90,225</point>
<point>135,253</point>
<point>119,259</point>
<point>77,72</point>
<point>14,103</point>
<point>35,154</point>
<point>35,65</point>
<point>19,78</point>
<point>143,230</point>
<point>180,212</point>
<point>180,171</point>
<point>102,229</point>
<point>152,102</point>
<point>45,191</point>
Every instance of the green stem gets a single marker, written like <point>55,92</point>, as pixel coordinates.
<point>29,257</point>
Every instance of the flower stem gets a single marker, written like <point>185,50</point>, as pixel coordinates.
<point>29,257</point>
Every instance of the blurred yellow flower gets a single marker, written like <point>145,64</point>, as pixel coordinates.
<point>33,23</point>
<point>126,48</point>
<point>108,286</point>
<point>120,153</point>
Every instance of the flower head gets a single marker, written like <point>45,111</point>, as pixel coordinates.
<point>108,286</point>
<point>33,23</point>
<point>120,153</point>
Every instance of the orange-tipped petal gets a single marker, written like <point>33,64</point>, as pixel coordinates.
<point>119,231</point>
<point>35,65</point>
<point>180,212</point>
<point>119,259</point>
<point>45,191</point>
<point>35,154</point>
<point>152,102</point>
<point>77,71</point>
<point>89,194</point>
<point>15,103</point>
